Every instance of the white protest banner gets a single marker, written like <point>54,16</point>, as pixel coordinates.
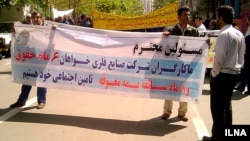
<point>213,35</point>
<point>110,62</point>
<point>57,13</point>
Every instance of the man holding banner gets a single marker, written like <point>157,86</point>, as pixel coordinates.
<point>36,19</point>
<point>181,29</point>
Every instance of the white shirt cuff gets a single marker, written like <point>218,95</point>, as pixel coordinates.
<point>213,73</point>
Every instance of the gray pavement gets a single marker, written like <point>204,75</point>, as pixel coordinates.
<point>81,116</point>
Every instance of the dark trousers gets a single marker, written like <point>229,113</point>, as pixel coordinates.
<point>25,91</point>
<point>221,87</point>
<point>245,77</point>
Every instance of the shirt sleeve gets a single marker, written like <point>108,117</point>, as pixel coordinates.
<point>241,52</point>
<point>220,55</point>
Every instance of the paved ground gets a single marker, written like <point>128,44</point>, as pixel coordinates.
<point>79,116</point>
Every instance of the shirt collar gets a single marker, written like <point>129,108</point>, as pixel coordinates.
<point>226,27</point>
<point>181,28</point>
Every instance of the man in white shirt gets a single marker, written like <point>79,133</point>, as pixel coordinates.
<point>199,25</point>
<point>228,60</point>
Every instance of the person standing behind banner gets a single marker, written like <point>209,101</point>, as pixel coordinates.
<point>212,25</point>
<point>89,22</point>
<point>36,19</point>
<point>182,29</point>
<point>27,19</point>
<point>248,29</point>
<point>199,25</point>
<point>229,57</point>
<point>67,20</point>
<point>245,71</point>
<point>83,20</point>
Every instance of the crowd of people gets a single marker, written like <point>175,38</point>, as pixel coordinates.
<point>82,20</point>
<point>243,84</point>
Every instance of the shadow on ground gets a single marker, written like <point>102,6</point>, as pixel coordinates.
<point>205,92</point>
<point>6,72</point>
<point>207,79</point>
<point>152,127</point>
<point>237,95</point>
<point>3,111</point>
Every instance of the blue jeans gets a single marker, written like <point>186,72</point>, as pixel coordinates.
<point>25,91</point>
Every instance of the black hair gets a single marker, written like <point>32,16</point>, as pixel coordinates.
<point>36,13</point>
<point>83,16</point>
<point>198,17</point>
<point>183,8</point>
<point>227,13</point>
<point>214,23</point>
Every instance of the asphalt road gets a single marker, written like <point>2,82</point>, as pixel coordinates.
<point>81,116</point>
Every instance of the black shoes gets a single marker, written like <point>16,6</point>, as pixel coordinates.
<point>247,93</point>
<point>239,89</point>
<point>17,104</point>
<point>206,138</point>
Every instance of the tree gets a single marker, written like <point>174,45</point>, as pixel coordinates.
<point>43,5</point>
<point>161,3</point>
<point>204,7</point>
<point>119,7</point>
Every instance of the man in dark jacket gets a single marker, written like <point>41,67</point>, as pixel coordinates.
<point>244,74</point>
<point>182,29</point>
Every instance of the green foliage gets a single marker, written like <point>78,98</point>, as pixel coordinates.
<point>161,3</point>
<point>16,2</point>
<point>41,5</point>
<point>119,7</point>
<point>202,5</point>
